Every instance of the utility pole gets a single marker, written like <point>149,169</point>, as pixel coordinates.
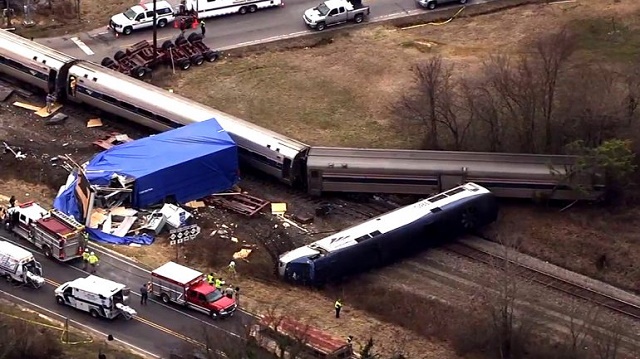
<point>155,31</point>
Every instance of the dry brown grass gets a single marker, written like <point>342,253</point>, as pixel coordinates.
<point>339,94</point>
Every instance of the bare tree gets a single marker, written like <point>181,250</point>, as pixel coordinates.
<point>553,52</point>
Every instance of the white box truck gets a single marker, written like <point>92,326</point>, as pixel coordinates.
<point>18,264</point>
<point>97,296</point>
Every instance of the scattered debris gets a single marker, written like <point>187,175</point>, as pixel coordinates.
<point>42,112</point>
<point>278,209</point>
<point>195,204</point>
<point>56,119</point>
<point>175,216</point>
<point>113,140</point>
<point>26,106</point>
<point>238,202</point>
<point>302,218</point>
<point>19,155</point>
<point>94,122</point>
<point>242,254</point>
<point>20,91</point>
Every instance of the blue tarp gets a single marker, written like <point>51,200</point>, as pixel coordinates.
<point>67,202</point>
<point>187,163</point>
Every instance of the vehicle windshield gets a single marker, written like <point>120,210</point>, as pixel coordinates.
<point>214,296</point>
<point>323,9</point>
<point>130,14</point>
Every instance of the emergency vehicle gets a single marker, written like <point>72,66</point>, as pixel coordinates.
<point>175,283</point>
<point>18,264</point>
<point>307,342</point>
<point>97,296</point>
<point>58,236</point>
<point>207,8</point>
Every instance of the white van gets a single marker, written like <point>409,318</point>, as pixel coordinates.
<point>98,296</point>
<point>141,16</point>
<point>18,264</point>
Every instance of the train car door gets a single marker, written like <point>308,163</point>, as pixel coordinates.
<point>51,81</point>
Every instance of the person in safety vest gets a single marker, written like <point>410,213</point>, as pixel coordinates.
<point>338,307</point>
<point>219,283</point>
<point>85,259</point>
<point>93,262</point>
<point>210,278</point>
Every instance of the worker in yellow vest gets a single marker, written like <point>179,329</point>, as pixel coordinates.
<point>219,283</point>
<point>338,307</point>
<point>210,278</point>
<point>93,262</point>
<point>85,259</point>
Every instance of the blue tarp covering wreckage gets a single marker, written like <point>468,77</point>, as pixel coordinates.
<point>185,164</point>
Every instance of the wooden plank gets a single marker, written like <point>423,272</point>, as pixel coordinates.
<point>26,106</point>
<point>43,111</point>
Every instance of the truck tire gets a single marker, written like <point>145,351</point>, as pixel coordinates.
<point>60,300</point>
<point>181,41</point>
<point>167,45</point>
<point>184,64</point>
<point>197,60</point>
<point>243,10</point>
<point>119,55</point>
<point>127,30</point>
<point>253,9</point>
<point>106,62</point>
<point>213,314</point>
<point>8,278</point>
<point>211,56</point>
<point>162,23</point>
<point>358,18</point>
<point>94,313</point>
<point>139,72</point>
<point>165,298</point>
<point>321,26</point>
<point>431,5</point>
<point>47,251</point>
<point>194,36</point>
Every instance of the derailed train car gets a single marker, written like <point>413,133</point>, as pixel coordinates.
<point>391,236</point>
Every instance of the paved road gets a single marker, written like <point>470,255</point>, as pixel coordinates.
<point>230,31</point>
<point>158,328</point>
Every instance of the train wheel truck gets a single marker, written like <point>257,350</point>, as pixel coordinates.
<point>19,265</point>
<point>58,235</point>
<point>174,283</point>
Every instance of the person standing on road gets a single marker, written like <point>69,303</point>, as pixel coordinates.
<point>229,292</point>
<point>183,26</point>
<point>144,294</point>
<point>338,307</point>
<point>85,259</point>
<point>237,295</point>
<point>202,28</point>
<point>93,262</point>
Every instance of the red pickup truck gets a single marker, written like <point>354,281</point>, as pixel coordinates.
<point>176,283</point>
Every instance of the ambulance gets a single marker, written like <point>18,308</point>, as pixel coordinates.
<point>99,297</point>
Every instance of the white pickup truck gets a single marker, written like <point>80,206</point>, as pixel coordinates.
<point>141,16</point>
<point>334,12</point>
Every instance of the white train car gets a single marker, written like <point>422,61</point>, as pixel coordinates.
<point>391,236</point>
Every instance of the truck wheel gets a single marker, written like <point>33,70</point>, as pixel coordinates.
<point>127,30</point>
<point>60,300</point>
<point>139,72</point>
<point>119,55</point>
<point>197,60</point>
<point>253,9</point>
<point>47,251</point>
<point>211,56</point>
<point>358,18</point>
<point>162,23</point>
<point>321,26</point>
<point>165,298</point>
<point>167,45</point>
<point>194,36</point>
<point>106,62</point>
<point>213,315</point>
<point>181,41</point>
<point>8,278</point>
<point>184,64</point>
<point>94,313</point>
<point>243,10</point>
<point>431,6</point>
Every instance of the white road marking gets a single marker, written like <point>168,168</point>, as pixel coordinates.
<point>75,323</point>
<point>82,46</point>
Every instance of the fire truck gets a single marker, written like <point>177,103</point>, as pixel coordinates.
<point>175,283</point>
<point>58,235</point>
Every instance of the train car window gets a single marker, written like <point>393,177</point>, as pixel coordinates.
<point>362,238</point>
<point>35,58</point>
<point>436,210</point>
<point>109,99</point>
<point>437,198</point>
<point>375,233</point>
<point>128,106</point>
<point>454,191</point>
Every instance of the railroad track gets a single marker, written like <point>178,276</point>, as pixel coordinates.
<point>550,280</point>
